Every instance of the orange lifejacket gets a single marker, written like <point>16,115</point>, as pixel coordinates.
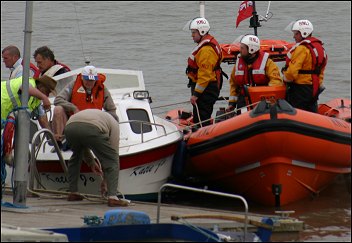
<point>256,75</point>
<point>37,74</point>
<point>64,65</point>
<point>82,100</point>
<point>192,68</point>
<point>34,69</point>
<point>319,59</point>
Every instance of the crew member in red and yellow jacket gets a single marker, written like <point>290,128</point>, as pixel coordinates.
<point>305,66</point>
<point>204,71</point>
<point>86,92</point>
<point>253,68</point>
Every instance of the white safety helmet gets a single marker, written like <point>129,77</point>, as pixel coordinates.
<point>200,24</point>
<point>252,42</point>
<point>304,26</point>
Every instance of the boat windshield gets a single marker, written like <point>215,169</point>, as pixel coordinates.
<point>288,28</point>
<point>238,39</point>
<point>126,80</point>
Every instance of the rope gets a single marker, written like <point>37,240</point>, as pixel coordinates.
<point>79,32</point>
<point>42,195</point>
<point>227,113</point>
<point>200,121</point>
<point>92,220</point>
<point>197,229</point>
<point>184,102</point>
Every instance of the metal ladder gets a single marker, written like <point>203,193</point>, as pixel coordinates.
<point>33,160</point>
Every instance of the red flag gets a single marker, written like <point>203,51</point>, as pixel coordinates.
<point>245,11</point>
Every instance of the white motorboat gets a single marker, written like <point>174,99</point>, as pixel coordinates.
<point>147,142</point>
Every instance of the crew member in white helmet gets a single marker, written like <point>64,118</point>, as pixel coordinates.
<point>253,68</point>
<point>305,66</point>
<point>204,71</point>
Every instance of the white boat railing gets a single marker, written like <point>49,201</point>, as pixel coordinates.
<point>141,123</point>
<point>205,191</point>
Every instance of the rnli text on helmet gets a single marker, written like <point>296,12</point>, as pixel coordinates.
<point>253,39</point>
<point>303,23</point>
<point>201,21</point>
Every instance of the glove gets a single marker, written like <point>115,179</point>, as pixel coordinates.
<point>230,108</point>
<point>284,68</point>
<point>189,83</point>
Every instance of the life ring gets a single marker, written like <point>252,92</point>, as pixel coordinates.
<point>277,50</point>
<point>8,135</point>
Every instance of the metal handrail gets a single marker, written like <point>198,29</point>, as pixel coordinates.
<point>33,156</point>
<point>204,191</point>
<point>145,123</point>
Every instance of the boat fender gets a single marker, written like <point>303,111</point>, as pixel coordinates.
<point>8,134</point>
<point>264,233</point>
<point>179,160</point>
<point>125,217</point>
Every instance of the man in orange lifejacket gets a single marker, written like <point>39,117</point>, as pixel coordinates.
<point>305,66</point>
<point>86,92</point>
<point>253,68</point>
<point>203,71</point>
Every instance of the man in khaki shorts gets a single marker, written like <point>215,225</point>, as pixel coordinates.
<point>98,131</point>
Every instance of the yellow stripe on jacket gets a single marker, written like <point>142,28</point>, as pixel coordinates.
<point>206,60</point>
<point>301,59</point>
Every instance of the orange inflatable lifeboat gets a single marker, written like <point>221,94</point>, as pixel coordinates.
<point>274,154</point>
<point>277,50</point>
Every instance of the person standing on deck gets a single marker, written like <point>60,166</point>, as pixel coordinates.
<point>305,66</point>
<point>204,71</point>
<point>99,131</point>
<point>253,68</point>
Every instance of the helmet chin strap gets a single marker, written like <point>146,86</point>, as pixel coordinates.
<point>202,36</point>
<point>250,58</point>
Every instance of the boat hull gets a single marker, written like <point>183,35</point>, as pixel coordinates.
<point>138,232</point>
<point>140,177</point>
<point>274,184</point>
